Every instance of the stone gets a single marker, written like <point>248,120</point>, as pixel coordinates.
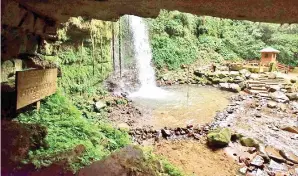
<point>292,96</point>
<point>279,97</point>
<point>273,153</point>
<point>7,69</point>
<point>291,129</point>
<point>123,126</point>
<point>262,152</point>
<point>257,161</point>
<point>100,105</point>
<point>293,81</point>
<point>254,76</point>
<point>249,142</point>
<point>230,87</point>
<point>251,150</point>
<point>271,75</point>
<point>258,115</point>
<point>276,167</point>
<point>290,156</point>
<point>219,137</point>
<point>165,133</point>
<point>271,104</point>
<point>274,88</point>
<point>243,170</point>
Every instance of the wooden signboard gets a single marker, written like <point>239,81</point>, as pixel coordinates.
<point>34,85</point>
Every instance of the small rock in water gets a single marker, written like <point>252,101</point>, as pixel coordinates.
<point>257,161</point>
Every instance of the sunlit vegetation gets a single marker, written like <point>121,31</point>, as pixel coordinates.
<point>180,38</point>
<point>68,129</point>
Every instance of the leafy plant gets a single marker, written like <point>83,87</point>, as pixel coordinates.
<point>67,129</point>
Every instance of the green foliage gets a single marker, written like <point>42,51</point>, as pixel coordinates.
<point>180,38</point>
<point>68,129</point>
<point>85,65</point>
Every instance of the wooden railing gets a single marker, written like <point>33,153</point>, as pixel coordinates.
<point>282,67</point>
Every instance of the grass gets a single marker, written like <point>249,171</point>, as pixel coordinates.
<point>67,129</point>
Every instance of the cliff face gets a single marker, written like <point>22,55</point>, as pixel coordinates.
<point>35,20</point>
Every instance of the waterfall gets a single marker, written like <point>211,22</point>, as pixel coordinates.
<point>143,57</point>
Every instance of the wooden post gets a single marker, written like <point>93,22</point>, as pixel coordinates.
<point>38,105</point>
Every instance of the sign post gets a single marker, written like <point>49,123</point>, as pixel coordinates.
<point>34,85</point>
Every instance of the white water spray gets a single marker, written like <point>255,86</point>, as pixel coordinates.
<point>143,56</point>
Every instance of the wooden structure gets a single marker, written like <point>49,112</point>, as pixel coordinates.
<point>268,55</point>
<point>34,85</point>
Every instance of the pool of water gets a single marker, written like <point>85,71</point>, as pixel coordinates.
<point>184,104</point>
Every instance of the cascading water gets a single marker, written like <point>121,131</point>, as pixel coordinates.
<point>143,56</point>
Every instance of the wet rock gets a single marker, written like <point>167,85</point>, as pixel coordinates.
<point>165,133</point>
<point>249,142</point>
<point>271,104</point>
<point>292,96</point>
<point>219,137</point>
<point>291,129</point>
<point>276,167</point>
<point>257,161</point>
<point>290,156</point>
<point>273,153</point>
<point>99,105</point>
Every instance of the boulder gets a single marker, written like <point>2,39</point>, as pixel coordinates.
<point>271,104</point>
<point>271,75</point>
<point>219,137</point>
<point>99,105</point>
<point>249,142</point>
<point>230,87</point>
<point>274,154</point>
<point>258,161</point>
<point>274,88</point>
<point>279,97</point>
<point>254,76</point>
<point>291,129</point>
<point>292,96</point>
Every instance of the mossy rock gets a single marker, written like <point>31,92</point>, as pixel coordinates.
<point>219,137</point>
<point>249,142</point>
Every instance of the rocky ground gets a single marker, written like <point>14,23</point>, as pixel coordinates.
<point>260,128</point>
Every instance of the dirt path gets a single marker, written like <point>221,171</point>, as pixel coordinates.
<point>196,158</point>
